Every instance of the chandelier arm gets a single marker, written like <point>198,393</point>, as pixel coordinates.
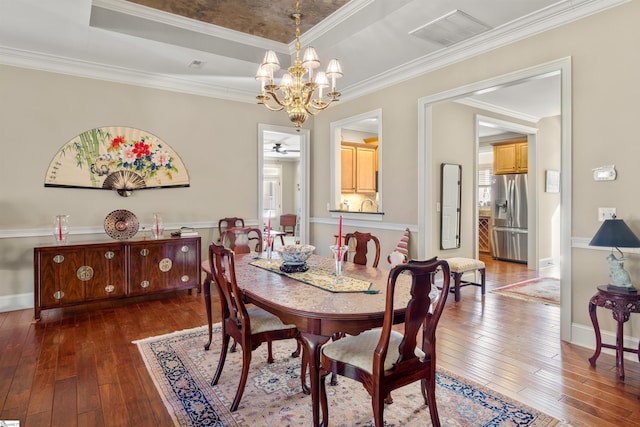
<point>273,98</point>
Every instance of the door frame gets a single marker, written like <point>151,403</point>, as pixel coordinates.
<point>426,166</point>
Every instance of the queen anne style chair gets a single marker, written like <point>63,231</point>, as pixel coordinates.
<point>249,326</point>
<point>239,239</point>
<point>384,359</point>
<point>361,247</point>
<point>227,223</point>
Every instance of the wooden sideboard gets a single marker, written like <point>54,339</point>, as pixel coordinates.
<point>100,270</point>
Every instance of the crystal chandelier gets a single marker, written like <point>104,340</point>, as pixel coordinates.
<point>295,93</point>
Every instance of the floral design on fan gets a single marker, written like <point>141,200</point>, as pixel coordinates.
<point>142,156</point>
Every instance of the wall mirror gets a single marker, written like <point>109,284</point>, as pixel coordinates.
<point>450,197</point>
<point>356,169</point>
<point>283,176</point>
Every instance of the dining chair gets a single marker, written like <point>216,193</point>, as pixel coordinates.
<point>227,223</point>
<point>383,359</point>
<point>249,326</point>
<point>288,221</point>
<point>239,239</point>
<point>361,247</point>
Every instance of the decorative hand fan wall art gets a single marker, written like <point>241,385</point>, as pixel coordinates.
<point>116,158</point>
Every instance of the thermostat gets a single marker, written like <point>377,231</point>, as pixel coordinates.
<point>605,173</point>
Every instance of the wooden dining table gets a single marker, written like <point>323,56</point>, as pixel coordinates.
<point>317,313</point>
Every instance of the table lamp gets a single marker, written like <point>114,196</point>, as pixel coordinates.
<point>616,234</point>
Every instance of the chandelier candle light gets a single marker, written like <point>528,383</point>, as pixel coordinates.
<point>295,93</point>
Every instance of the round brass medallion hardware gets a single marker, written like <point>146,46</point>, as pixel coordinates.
<point>109,255</point>
<point>165,265</point>
<point>144,284</point>
<point>58,259</point>
<point>58,294</point>
<point>85,273</point>
<point>109,288</point>
<point>144,252</point>
<point>185,278</point>
<point>185,249</point>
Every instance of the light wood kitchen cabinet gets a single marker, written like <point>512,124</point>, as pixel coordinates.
<point>359,167</point>
<point>348,168</point>
<point>510,157</point>
<point>97,271</point>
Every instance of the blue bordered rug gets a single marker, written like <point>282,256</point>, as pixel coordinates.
<point>182,370</point>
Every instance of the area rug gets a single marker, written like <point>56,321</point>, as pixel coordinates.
<point>543,289</point>
<point>182,370</point>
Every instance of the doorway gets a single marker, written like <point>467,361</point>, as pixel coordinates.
<point>425,149</point>
<point>283,177</point>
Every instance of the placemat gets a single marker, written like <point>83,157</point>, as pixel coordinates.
<point>317,277</point>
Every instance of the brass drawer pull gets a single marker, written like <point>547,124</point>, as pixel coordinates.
<point>85,273</point>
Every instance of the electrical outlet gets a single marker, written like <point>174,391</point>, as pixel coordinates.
<point>606,213</point>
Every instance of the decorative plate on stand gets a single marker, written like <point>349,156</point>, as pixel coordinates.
<point>121,224</point>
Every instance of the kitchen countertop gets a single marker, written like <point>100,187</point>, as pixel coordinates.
<point>358,212</point>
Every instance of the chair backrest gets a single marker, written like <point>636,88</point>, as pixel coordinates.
<point>288,220</point>
<point>421,310</point>
<point>239,239</point>
<point>227,223</point>
<point>361,247</point>
<point>221,261</point>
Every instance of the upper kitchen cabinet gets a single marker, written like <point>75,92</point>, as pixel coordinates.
<point>359,167</point>
<point>510,157</point>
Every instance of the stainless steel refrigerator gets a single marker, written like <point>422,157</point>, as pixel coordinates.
<point>509,229</point>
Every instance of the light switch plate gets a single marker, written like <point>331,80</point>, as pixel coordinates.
<point>606,213</point>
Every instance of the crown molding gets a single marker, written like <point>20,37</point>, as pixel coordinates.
<point>530,25</point>
<point>79,68</point>
<point>549,18</point>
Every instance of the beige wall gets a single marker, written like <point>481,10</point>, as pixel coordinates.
<point>605,90</point>
<point>40,111</point>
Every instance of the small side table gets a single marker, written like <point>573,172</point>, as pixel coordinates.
<point>622,304</point>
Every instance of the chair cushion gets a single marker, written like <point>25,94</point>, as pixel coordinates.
<point>262,320</point>
<point>358,350</point>
<point>460,265</point>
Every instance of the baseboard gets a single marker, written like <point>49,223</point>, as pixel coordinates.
<point>16,302</point>
<point>547,262</point>
<point>584,336</point>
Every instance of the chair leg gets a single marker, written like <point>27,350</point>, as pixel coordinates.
<point>456,285</point>
<point>429,394</point>
<point>298,349</point>
<point>246,362</point>
<point>269,352</point>
<point>221,360</point>
<point>377,401</point>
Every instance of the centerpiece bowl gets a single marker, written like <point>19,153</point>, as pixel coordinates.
<point>294,257</point>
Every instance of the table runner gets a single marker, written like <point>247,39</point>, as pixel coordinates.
<point>317,277</point>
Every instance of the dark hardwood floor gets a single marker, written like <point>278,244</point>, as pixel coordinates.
<point>77,366</point>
